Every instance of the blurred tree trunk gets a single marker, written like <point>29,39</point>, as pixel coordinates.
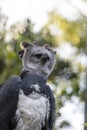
<point>85,114</point>
<point>85,111</point>
<point>85,50</point>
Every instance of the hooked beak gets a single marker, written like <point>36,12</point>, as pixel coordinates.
<point>45,57</point>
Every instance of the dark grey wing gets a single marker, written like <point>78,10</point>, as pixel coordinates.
<point>9,93</point>
<point>50,122</point>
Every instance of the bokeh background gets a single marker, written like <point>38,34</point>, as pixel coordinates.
<point>63,25</point>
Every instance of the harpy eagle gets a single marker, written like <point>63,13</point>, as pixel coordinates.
<point>26,102</point>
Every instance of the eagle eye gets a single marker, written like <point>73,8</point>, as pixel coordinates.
<point>38,55</point>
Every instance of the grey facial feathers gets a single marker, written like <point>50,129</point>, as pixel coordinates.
<point>37,59</point>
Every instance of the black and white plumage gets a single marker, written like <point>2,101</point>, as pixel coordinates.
<point>26,103</point>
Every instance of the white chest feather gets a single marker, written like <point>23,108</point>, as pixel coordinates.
<point>32,111</point>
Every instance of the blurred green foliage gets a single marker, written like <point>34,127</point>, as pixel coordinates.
<point>56,32</point>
